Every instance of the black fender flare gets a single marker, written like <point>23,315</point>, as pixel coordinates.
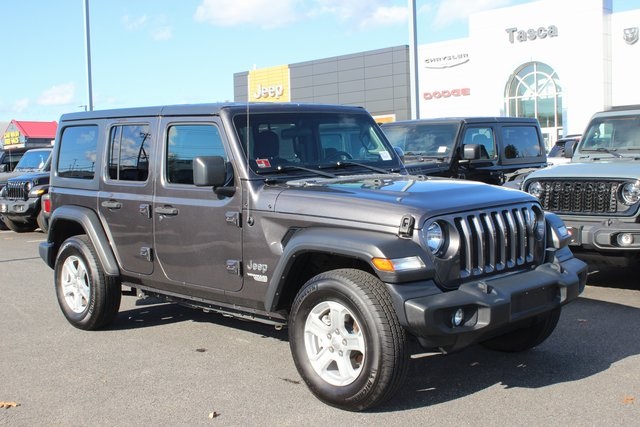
<point>359,244</point>
<point>90,222</point>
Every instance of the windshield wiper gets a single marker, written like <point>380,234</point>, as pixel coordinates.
<point>344,163</point>
<point>289,168</point>
<point>613,153</point>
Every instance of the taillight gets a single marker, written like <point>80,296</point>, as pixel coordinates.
<point>46,205</point>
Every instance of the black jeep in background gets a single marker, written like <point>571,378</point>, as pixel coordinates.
<point>21,192</point>
<point>495,150</point>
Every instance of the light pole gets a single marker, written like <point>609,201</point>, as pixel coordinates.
<point>413,63</point>
<point>87,42</point>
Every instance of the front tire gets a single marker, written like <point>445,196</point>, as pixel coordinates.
<point>526,337</point>
<point>346,341</point>
<point>19,227</point>
<point>88,297</point>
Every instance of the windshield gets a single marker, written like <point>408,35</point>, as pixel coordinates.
<point>33,160</point>
<point>424,140</point>
<point>613,134</point>
<point>293,143</point>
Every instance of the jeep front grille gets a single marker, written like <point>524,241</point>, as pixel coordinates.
<point>496,240</point>
<point>581,197</point>
<point>17,190</point>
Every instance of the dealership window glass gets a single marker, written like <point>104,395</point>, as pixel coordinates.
<point>129,147</point>
<point>77,157</point>
<point>186,142</point>
<point>534,91</point>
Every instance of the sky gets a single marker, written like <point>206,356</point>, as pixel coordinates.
<point>156,52</point>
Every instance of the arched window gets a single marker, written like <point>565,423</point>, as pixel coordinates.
<point>534,90</point>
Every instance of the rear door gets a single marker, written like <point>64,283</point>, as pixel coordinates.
<point>198,238</point>
<point>124,201</point>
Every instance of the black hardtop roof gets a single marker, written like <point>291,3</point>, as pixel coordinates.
<point>211,109</point>
<point>467,120</point>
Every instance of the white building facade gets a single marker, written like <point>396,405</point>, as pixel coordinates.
<point>557,61</point>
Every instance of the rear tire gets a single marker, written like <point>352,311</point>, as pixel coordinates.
<point>42,222</point>
<point>88,297</point>
<point>527,337</point>
<point>346,340</point>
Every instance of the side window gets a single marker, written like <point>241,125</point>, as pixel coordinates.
<point>129,152</point>
<point>184,143</point>
<point>482,136</point>
<point>77,156</point>
<point>520,142</point>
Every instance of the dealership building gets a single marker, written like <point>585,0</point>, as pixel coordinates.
<point>557,61</point>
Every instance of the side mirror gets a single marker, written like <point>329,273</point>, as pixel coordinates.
<point>3,168</point>
<point>471,152</point>
<point>400,152</point>
<point>211,171</point>
<point>569,147</point>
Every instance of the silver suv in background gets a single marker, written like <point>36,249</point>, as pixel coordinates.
<point>598,193</point>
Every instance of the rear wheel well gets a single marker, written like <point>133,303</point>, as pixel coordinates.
<point>308,265</point>
<point>63,230</point>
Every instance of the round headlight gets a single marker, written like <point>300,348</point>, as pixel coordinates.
<point>630,193</point>
<point>434,237</point>
<point>535,189</point>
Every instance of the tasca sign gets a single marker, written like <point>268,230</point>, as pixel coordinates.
<point>531,33</point>
<point>269,84</point>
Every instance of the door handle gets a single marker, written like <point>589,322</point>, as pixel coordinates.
<point>111,204</point>
<point>167,210</point>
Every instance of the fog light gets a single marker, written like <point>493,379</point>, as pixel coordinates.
<point>458,317</point>
<point>3,208</point>
<point>625,239</point>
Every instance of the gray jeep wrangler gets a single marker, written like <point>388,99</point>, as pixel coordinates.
<point>300,216</point>
<point>598,193</point>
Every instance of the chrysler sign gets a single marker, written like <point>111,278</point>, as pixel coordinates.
<point>446,61</point>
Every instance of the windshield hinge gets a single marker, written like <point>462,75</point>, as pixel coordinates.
<point>406,226</point>
<point>233,218</point>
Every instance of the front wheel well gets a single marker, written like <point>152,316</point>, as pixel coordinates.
<point>309,264</point>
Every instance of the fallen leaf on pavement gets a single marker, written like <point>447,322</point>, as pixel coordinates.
<point>628,400</point>
<point>213,415</point>
<point>8,404</point>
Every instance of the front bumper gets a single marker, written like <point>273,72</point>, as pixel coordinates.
<point>19,210</point>
<point>491,306</point>
<point>604,235</point>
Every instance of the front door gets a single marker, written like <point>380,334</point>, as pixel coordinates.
<point>198,240</point>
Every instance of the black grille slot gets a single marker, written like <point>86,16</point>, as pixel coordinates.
<point>581,197</point>
<point>496,240</point>
<point>17,190</point>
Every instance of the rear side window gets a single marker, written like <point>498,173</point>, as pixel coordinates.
<point>129,152</point>
<point>77,156</point>
<point>520,142</point>
<point>186,142</point>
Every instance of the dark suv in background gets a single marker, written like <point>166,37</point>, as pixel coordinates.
<point>494,150</point>
<point>21,191</point>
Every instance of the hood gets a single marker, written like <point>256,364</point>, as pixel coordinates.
<point>40,177</point>
<point>608,169</point>
<point>385,199</point>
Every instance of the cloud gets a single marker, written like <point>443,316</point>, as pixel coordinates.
<point>449,12</point>
<point>58,95</point>
<point>162,33</point>
<point>229,13</point>
<point>20,105</point>
<point>134,23</point>
<point>272,14</point>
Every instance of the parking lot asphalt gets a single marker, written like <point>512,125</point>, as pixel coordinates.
<point>166,365</point>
